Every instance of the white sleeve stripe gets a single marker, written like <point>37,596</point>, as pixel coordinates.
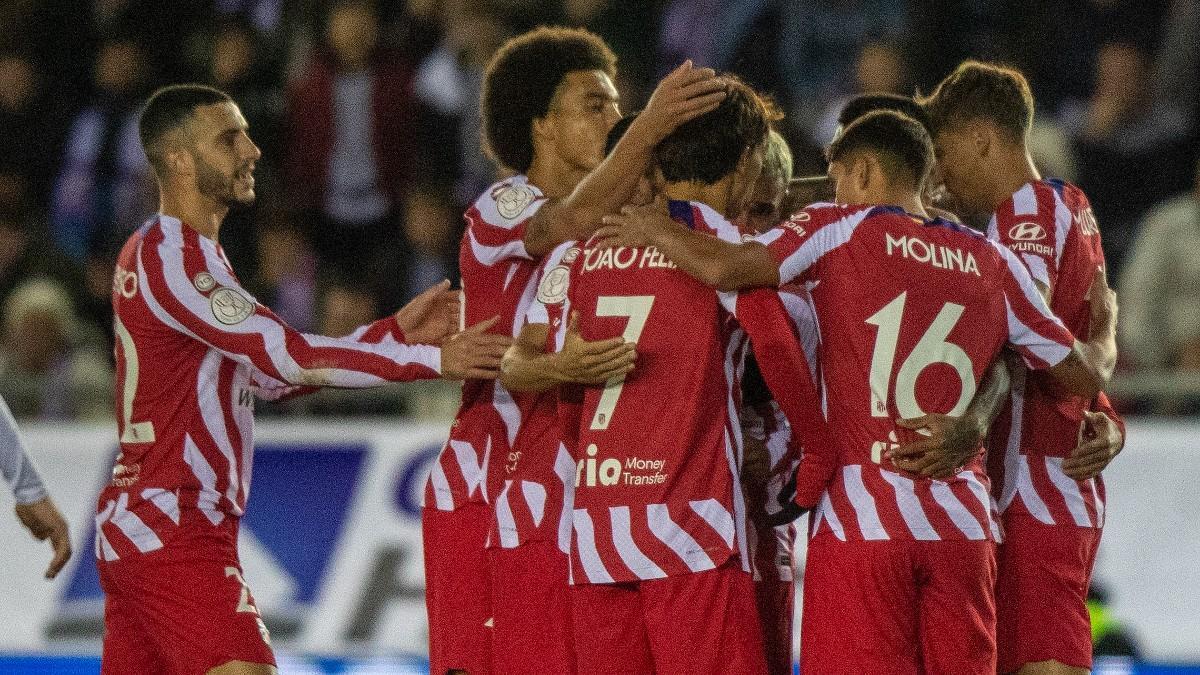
<point>490,255</point>
<point>425,354</point>
<point>769,237</point>
<point>823,241</point>
<point>1024,337</point>
<point>271,332</point>
<point>1037,268</point>
<point>1018,272</point>
<point>724,230</point>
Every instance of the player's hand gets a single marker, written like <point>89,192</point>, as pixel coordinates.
<point>432,316</point>
<point>474,354</point>
<point>1100,440</point>
<point>789,510</point>
<point>635,226</point>
<point>584,362</point>
<point>947,444</point>
<point>43,520</point>
<point>684,94</point>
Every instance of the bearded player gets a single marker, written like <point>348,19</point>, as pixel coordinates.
<point>1047,483</point>
<point>193,350</point>
<point>548,103</point>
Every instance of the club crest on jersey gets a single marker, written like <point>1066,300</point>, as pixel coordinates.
<point>513,200</point>
<point>229,306</point>
<point>553,289</point>
<point>1027,231</point>
<point>204,282</point>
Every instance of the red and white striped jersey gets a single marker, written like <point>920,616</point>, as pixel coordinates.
<point>497,280</point>
<point>659,453</point>
<point>1049,225</point>
<point>193,350</point>
<point>534,502</point>
<point>911,313</point>
<point>764,421</point>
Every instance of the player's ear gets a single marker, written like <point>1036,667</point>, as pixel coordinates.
<point>543,128</point>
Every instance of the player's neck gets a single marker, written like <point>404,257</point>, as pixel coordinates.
<point>554,178</point>
<point>715,196</point>
<point>1013,172</point>
<point>194,210</point>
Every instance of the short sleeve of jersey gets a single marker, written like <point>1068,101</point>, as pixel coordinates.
<point>1034,224</point>
<point>497,221</point>
<point>1033,330</point>
<point>799,243</point>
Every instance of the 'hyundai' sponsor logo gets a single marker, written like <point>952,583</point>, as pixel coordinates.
<point>1027,231</point>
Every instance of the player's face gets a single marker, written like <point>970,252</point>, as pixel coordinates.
<point>961,168</point>
<point>224,155</point>
<point>762,209</point>
<point>583,112</point>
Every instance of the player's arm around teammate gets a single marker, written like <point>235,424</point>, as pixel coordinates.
<point>728,266</point>
<point>526,366</point>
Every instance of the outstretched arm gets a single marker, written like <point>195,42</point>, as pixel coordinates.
<point>721,264</point>
<point>684,94</point>
<point>527,366</point>
<point>219,312</point>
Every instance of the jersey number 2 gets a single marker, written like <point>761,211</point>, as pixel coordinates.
<point>134,432</point>
<point>637,309</point>
<point>931,348</point>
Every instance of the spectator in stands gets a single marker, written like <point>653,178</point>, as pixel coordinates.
<point>349,139</point>
<point>25,252</point>
<point>447,86</point>
<point>28,136</point>
<point>1160,287</point>
<point>104,189</point>
<point>1132,146</point>
<point>879,69</point>
<point>286,278</point>
<point>819,44</point>
<point>430,220</point>
<point>47,368</point>
<point>236,65</point>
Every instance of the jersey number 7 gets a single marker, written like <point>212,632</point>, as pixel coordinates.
<point>637,309</point>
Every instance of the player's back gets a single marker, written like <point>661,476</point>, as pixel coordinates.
<point>911,314</point>
<point>658,451</point>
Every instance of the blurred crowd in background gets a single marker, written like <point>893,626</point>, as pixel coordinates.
<point>367,115</point>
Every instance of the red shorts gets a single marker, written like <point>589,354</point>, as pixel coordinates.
<point>899,607</point>
<point>182,609</point>
<point>457,591</point>
<point>531,610</point>
<point>776,607</point>
<point>689,624</point>
<point>1041,594</point>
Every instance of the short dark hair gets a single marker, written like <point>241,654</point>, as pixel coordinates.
<point>978,90</point>
<point>521,80</point>
<point>866,103</point>
<point>170,108</point>
<point>900,143</point>
<point>709,147</point>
